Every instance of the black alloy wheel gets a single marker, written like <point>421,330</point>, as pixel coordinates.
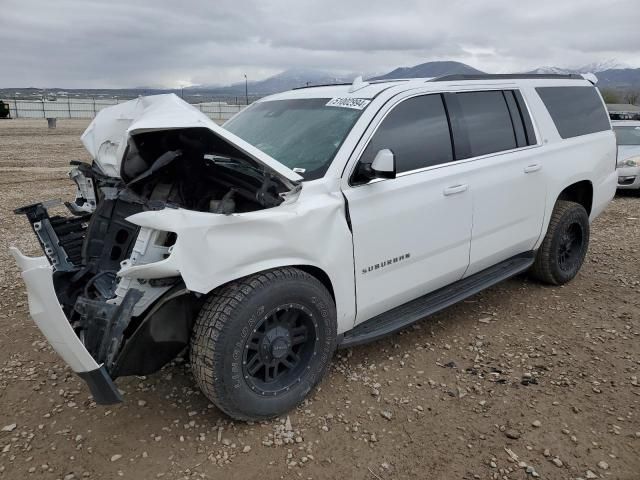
<point>570,248</point>
<point>565,245</point>
<point>261,344</point>
<point>280,349</point>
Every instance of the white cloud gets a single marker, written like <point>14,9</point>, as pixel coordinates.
<point>168,43</point>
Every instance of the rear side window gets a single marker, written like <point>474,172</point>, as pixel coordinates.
<point>416,131</point>
<point>575,110</point>
<point>482,123</point>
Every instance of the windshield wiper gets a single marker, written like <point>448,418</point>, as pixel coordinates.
<point>230,162</point>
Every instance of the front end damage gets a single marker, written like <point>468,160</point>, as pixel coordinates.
<point>109,293</point>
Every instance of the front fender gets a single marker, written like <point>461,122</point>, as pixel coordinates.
<point>213,249</point>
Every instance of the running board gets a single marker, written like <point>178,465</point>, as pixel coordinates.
<point>410,312</point>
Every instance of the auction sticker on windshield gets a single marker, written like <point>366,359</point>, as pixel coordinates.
<point>355,103</point>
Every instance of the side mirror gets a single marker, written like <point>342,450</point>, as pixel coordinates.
<point>383,166</point>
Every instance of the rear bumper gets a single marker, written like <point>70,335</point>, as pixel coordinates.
<point>48,315</point>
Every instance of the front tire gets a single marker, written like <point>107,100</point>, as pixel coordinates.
<point>260,344</point>
<point>565,245</point>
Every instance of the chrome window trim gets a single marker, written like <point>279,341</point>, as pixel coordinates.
<point>468,160</point>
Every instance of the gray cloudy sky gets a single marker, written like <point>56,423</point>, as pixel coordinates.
<point>116,43</point>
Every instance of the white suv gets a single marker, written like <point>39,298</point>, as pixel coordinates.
<point>316,218</point>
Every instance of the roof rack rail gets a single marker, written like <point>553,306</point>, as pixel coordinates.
<point>389,80</point>
<point>322,85</point>
<point>506,76</point>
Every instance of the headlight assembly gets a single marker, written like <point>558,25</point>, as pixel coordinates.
<point>629,162</point>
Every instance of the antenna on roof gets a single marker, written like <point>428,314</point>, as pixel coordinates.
<point>357,84</point>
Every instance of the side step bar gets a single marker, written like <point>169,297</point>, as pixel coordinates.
<point>404,315</point>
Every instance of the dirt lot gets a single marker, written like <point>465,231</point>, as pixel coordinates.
<point>550,375</point>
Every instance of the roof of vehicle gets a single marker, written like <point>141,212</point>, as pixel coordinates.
<point>370,89</point>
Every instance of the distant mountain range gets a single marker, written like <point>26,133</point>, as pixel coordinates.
<point>589,68</point>
<point>610,75</point>
<point>430,69</point>
<point>292,78</point>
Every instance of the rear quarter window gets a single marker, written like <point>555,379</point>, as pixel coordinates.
<point>575,111</point>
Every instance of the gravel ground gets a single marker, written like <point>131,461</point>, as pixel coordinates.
<point>520,381</point>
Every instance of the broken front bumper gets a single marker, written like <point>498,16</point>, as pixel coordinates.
<point>48,315</point>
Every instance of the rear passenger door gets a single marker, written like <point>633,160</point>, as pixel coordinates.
<point>411,234</point>
<point>494,131</point>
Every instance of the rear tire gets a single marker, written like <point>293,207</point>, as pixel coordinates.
<point>260,344</point>
<point>565,245</point>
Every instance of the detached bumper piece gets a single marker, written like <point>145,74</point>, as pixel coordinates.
<point>50,318</point>
<point>61,237</point>
<point>104,324</point>
<point>102,388</point>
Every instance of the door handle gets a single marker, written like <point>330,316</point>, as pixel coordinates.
<point>455,189</point>
<point>532,168</point>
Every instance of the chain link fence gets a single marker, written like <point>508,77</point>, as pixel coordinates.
<point>67,107</point>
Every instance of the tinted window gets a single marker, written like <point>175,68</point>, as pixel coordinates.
<point>516,118</point>
<point>484,123</point>
<point>416,131</point>
<point>575,110</point>
<point>526,118</point>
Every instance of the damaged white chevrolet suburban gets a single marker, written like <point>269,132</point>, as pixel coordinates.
<point>316,218</point>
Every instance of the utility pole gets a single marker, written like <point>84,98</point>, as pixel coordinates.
<point>246,90</point>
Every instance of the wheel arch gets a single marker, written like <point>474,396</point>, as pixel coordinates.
<point>320,275</point>
<point>579,192</point>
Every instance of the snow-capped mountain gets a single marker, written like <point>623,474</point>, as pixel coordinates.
<point>595,67</point>
<point>610,73</point>
<point>551,70</point>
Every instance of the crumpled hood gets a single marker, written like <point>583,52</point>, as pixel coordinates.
<point>106,136</point>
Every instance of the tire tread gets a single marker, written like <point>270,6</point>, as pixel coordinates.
<point>541,268</point>
<point>208,336</point>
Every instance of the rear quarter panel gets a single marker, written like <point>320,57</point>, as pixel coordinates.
<point>589,157</point>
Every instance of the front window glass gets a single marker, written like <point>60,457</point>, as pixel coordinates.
<point>627,135</point>
<point>303,134</point>
<point>417,132</point>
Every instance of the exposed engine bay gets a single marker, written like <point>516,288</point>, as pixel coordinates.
<point>193,169</point>
<point>125,323</point>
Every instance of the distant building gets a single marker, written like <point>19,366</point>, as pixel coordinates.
<point>623,111</point>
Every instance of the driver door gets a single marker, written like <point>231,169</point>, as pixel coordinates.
<point>412,233</point>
